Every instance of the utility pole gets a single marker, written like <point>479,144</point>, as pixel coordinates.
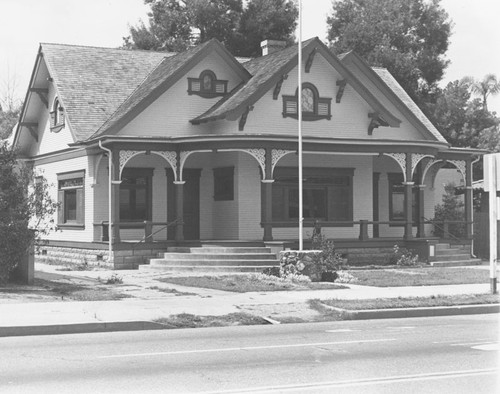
<point>491,172</point>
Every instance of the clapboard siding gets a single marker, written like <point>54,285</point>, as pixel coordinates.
<point>50,171</point>
<point>169,115</point>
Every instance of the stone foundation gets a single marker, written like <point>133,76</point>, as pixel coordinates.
<point>120,259</point>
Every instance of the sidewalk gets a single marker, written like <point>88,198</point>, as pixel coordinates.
<point>146,306</point>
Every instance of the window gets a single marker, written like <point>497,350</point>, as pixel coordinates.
<point>207,85</point>
<point>397,199</point>
<point>71,199</point>
<point>56,117</point>
<point>314,107</point>
<point>327,194</point>
<point>136,194</point>
<point>224,184</point>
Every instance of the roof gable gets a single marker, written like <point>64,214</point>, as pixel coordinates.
<point>386,83</point>
<point>266,72</point>
<point>163,76</point>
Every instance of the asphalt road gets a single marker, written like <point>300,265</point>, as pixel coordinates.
<point>457,354</point>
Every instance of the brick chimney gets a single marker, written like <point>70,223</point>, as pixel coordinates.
<point>270,46</point>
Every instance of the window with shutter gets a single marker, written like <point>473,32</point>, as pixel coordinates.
<point>207,85</point>
<point>71,198</point>
<point>314,107</point>
<point>56,117</point>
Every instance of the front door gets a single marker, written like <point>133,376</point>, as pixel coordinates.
<point>191,211</point>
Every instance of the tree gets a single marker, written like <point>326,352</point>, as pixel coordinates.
<point>10,107</point>
<point>265,20</point>
<point>175,25</point>
<point>489,85</point>
<point>26,209</point>
<point>408,37</point>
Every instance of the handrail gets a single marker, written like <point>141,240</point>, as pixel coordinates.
<point>176,221</point>
<point>434,222</point>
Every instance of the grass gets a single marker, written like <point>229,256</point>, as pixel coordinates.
<point>247,283</point>
<point>428,276</point>
<point>186,320</point>
<point>410,302</point>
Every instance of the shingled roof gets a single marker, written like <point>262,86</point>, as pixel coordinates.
<point>92,82</point>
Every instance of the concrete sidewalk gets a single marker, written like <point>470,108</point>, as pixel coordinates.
<point>137,313</point>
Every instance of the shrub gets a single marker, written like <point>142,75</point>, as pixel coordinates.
<point>403,257</point>
<point>25,210</point>
<point>451,209</point>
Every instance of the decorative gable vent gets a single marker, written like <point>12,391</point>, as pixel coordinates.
<point>207,85</point>
<point>314,107</point>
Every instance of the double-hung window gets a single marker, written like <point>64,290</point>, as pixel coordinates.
<point>71,199</point>
<point>56,116</point>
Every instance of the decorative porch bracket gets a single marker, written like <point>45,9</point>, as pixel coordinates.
<point>417,158</point>
<point>401,160</point>
<point>309,60</point>
<point>276,155</point>
<point>42,94</point>
<point>341,83</point>
<point>277,88</point>
<point>182,161</point>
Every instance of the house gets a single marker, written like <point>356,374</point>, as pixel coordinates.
<point>201,147</point>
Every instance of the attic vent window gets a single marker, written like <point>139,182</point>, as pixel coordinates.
<point>314,107</point>
<point>57,117</point>
<point>207,85</point>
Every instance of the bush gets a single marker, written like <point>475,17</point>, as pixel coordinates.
<point>25,206</point>
<point>451,209</point>
<point>403,257</point>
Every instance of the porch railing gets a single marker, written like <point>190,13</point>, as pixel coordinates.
<point>146,225</point>
<point>445,226</point>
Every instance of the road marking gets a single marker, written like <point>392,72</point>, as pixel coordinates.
<point>359,382</point>
<point>232,349</point>
<point>402,328</point>
<point>342,330</point>
<point>490,346</point>
<point>470,343</point>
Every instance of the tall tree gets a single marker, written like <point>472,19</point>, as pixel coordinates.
<point>265,20</point>
<point>408,37</point>
<point>174,25</point>
<point>485,87</point>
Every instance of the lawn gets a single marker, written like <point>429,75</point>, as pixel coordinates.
<point>428,276</point>
<point>243,283</point>
<point>411,302</point>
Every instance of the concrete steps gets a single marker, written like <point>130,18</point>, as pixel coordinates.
<point>213,259</point>
<point>454,256</point>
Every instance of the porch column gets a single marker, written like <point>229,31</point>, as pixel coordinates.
<point>468,199</point>
<point>179,210</point>
<point>114,226</point>
<point>421,219</point>
<point>376,216</point>
<point>408,188</point>
<point>267,200</point>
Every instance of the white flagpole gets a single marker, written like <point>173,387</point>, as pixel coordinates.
<point>299,110</point>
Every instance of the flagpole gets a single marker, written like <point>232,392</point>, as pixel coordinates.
<point>299,110</point>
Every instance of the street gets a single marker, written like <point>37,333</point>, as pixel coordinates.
<point>457,354</point>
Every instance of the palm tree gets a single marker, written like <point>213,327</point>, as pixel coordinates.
<point>489,85</point>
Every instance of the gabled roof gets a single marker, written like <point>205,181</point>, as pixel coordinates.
<point>384,81</point>
<point>92,82</point>
<point>169,71</point>
<point>267,70</point>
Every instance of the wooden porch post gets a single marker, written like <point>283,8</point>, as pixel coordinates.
<point>468,199</point>
<point>267,200</point>
<point>179,209</point>
<point>376,216</point>
<point>114,230</point>
<point>408,188</point>
<point>421,219</point>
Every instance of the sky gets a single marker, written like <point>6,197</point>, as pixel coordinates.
<point>474,49</point>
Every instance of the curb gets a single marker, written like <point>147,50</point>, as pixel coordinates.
<point>366,314</point>
<point>79,328</point>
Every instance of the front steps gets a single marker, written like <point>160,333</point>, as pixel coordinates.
<point>454,256</point>
<point>213,259</point>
